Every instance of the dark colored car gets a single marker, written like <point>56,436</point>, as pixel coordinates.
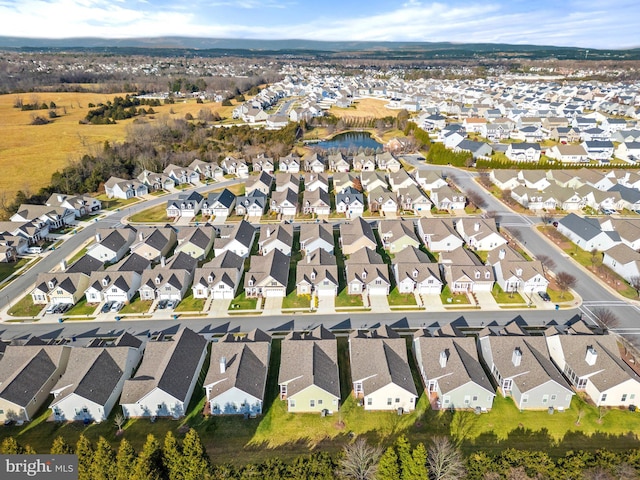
<point>162,304</point>
<point>106,307</point>
<point>544,296</point>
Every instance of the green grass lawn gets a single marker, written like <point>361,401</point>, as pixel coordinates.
<point>345,300</point>
<point>79,254</point>
<point>137,306</point>
<point>155,214</point>
<point>293,300</point>
<point>190,304</point>
<point>456,299</point>
<point>82,308</point>
<point>7,269</point>
<point>398,299</point>
<point>558,297</point>
<point>243,303</point>
<point>113,203</point>
<point>25,308</point>
<point>504,297</point>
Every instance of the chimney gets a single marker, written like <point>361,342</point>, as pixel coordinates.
<point>163,261</point>
<point>268,232</point>
<point>308,257</point>
<point>443,358</point>
<point>98,238</point>
<point>141,237</point>
<point>476,227</point>
<point>516,358</point>
<point>63,265</point>
<point>502,254</point>
<point>60,198</point>
<point>591,356</point>
<point>223,364</point>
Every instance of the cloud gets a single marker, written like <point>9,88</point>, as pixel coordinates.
<point>589,24</point>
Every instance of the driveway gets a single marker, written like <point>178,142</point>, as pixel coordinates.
<point>486,301</point>
<point>219,308</point>
<point>379,303</point>
<point>326,304</point>
<point>272,306</point>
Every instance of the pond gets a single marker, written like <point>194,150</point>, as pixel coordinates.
<point>349,141</point>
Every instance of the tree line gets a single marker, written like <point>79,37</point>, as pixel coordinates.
<point>119,109</point>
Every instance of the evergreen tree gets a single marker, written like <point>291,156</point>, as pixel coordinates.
<point>61,447</point>
<point>388,468</point>
<point>403,448</point>
<point>103,466</point>
<point>10,446</point>
<point>195,459</point>
<point>84,451</point>
<point>125,460</point>
<point>149,463</point>
<point>29,450</point>
<point>418,466</point>
<point>172,457</point>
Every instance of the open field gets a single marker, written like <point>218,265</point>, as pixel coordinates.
<point>365,108</point>
<point>47,148</point>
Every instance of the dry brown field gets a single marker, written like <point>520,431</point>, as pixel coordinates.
<point>365,108</point>
<point>29,154</point>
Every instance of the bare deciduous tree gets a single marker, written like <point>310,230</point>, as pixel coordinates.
<point>119,420</point>
<point>476,198</point>
<point>605,317</point>
<point>547,262</point>
<point>565,281</point>
<point>635,283</point>
<point>445,460</point>
<point>546,217</point>
<point>360,460</point>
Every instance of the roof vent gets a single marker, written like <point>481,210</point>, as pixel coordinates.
<point>516,358</point>
<point>591,356</point>
<point>443,358</point>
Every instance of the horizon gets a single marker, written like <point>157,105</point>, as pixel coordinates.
<point>579,24</point>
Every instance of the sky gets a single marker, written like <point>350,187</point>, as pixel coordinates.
<point>585,23</point>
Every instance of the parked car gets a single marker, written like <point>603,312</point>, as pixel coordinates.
<point>116,306</point>
<point>50,308</point>
<point>544,296</point>
<point>106,307</point>
<point>171,304</point>
<point>608,211</point>
<point>162,304</point>
<point>65,307</point>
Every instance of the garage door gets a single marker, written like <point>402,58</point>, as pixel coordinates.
<point>377,290</point>
<point>168,296</point>
<point>273,292</point>
<point>222,295</point>
<point>326,292</point>
<point>426,289</point>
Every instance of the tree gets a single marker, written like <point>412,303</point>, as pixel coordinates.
<point>403,449</point>
<point>84,451</point>
<point>103,466</point>
<point>547,262</point>
<point>605,317</point>
<point>148,466</point>
<point>565,282</point>
<point>388,468</point>
<point>360,460</point>
<point>445,460</point>
<point>10,446</point>
<point>476,198</point>
<point>195,460</point>
<point>635,283</point>
<point>546,217</point>
<point>595,256</point>
<point>125,460</point>
<point>61,447</point>
<point>418,467</point>
<point>172,457</point>
<point>119,421</point>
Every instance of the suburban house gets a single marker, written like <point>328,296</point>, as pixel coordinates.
<point>219,204</point>
<point>187,204</point>
<point>396,235</point>
<point>586,233</point>
<point>27,374</point>
<point>451,371</point>
<point>342,181</point>
<point>268,275</point>
<point>235,166</point>
<point>204,169</point>
<point>284,203</point>
<point>287,181</point>
<point>504,179</point>
<point>153,243</point>
<point>289,164</point>
<point>383,201</point>
<point>112,286</point>
<point>237,376</point>
<point>219,279</point>
<point>350,202</point>
<point>386,161</point>
<point>367,274</point>
<point>338,163</point>
<point>515,274</point>
<point>316,235</point>
<point>93,380</point>
<point>182,175</point>
<point>477,149</point>
<point>195,241</point>
<point>373,181</point>
<point>308,377</point>
<point>592,364</point>
<point>169,280</point>
<point>276,237</point>
<point>315,181</point>
<point>316,202</point>
<point>166,378</point>
<point>446,198</point>
<point>317,274</point>
<point>156,181</point>
<point>411,199</point>
<point>111,244</point>
<point>439,234</point>
<point>523,152</point>
<point>464,273</point>
<point>480,233</point>
<point>429,179</point>
<point>261,182</point>
<point>400,179</point>
<point>415,273</point>
<point>380,370</point>
<point>59,288</point>
<point>53,217</point>
<point>623,260</point>
<point>521,367</point>
<point>263,164</point>
<point>356,235</point>
<point>80,204</point>
<point>120,188</point>
<point>314,162</point>
<point>251,205</point>
<point>237,238</point>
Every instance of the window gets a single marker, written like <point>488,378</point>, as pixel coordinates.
<point>624,397</point>
<point>545,398</point>
<point>389,401</point>
<point>553,397</point>
<point>632,396</point>
<point>312,403</point>
<point>114,290</point>
<point>369,401</point>
<point>525,398</point>
<point>397,400</point>
<point>475,398</point>
<point>603,397</point>
<point>292,404</point>
<point>159,406</point>
<point>320,402</point>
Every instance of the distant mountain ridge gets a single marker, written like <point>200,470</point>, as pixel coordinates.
<point>367,48</point>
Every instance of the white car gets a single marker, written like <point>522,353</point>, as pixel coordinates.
<point>117,306</point>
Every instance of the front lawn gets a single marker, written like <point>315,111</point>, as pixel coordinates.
<point>25,308</point>
<point>82,308</point>
<point>8,269</point>
<point>449,298</point>
<point>190,304</point>
<point>293,300</point>
<point>137,306</point>
<point>400,299</point>
<point>505,297</point>
<point>345,300</point>
<point>157,214</point>
<point>116,203</point>
<point>241,302</point>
